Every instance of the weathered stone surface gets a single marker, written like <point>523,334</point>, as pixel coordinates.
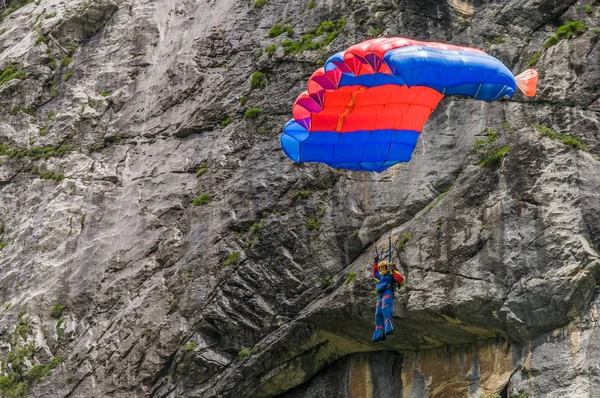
<point>127,102</point>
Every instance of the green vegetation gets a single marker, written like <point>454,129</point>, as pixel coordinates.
<point>488,150</point>
<point>351,276</point>
<point>256,228</point>
<point>201,200</point>
<point>588,9</point>
<point>104,93</point>
<point>58,309</point>
<point>232,258</point>
<point>326,32</point>
<point>270,49</point>
<point>41,370</point>
<point>40,39</point>
<point>244,352</point>
<point>243,100</point>
<point>567,139</point>
<point>252,113</point>
<point>565,32</point>
<point>35,153</point>
<point>259,3</point>
<point>301,194</point>
<point>226,122</point>
<point>65,61</point>
<point>313,224</point>
<point>375,31</point>
<point>596,32</point>
<point>174,304</point>
<point>51,15</point>
<point>402,242</point>
<point>12,6</point>
<point>11,72</point>
<point>67,76</point>
<point>534,60</point>
<point>48,175</point>
<point>258,80</point>
<point>203,169</point>
<point>259,53</point>
<point>311,5</point>
<point>278,30</point>
<point>191,346</point>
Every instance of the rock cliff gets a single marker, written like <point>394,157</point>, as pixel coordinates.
<point>156,242</point>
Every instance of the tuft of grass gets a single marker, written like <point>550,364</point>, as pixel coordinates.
<point>226,122</point>
<point>351,276</point>
<point>252,113</point>
<point>278,30</point>
<point>57,311</point>
<point>311,5</point>
<point>402,242</point>
<point>534,60</point>
<point>174,304</point>
<point>301,194</point>
<point>259,3</point>
<point>65,61</point>
<point>589,9</point>
<point>243,100</point>
<point>566,31</point>
<point>203,169</point>
<point>270,49</point>
<point>488,150</point>
<point>313,224</point>
<point>258,80</point>
<point>201,200</point>
<point>326,32</point>
<point>567,139</point>
<point>232,258</point>
<point>495,158</point>
<point>67,76</point>
<point>191,346</point>
<point>256,228</point>
<point>244,352</point>
<point>40,39</point>
<point>11,72</point>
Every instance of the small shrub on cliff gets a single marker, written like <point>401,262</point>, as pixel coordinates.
<point>351,276</point>
<point>258,80</point>
<point>278,30</point>
<point>313,224</point>
<point>58,309</point>
<point>259,3</point>
<point>402,242</point>
<point>233,258</point>
<point>201,200</point>
<point>252,113</point>
<point>534,60</point>
<point>11,72</point>
<point>488,150</point>
<point>565,32</point>
<point>567,139</point>
<point>301,194</point>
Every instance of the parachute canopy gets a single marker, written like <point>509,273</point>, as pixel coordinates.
<point>366,108</point>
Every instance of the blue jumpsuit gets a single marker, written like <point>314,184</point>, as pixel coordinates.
<point>384,324</point>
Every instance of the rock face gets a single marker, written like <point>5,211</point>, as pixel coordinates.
<point>156,242</point>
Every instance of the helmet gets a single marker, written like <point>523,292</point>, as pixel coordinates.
<point>383,266</point>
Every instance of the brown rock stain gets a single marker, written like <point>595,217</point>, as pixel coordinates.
<point>361,385</point>
<point>449,372</point>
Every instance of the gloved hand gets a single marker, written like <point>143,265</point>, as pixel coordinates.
<point>376,259</point>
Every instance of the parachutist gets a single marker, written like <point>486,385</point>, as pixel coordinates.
<point>387,279</point>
